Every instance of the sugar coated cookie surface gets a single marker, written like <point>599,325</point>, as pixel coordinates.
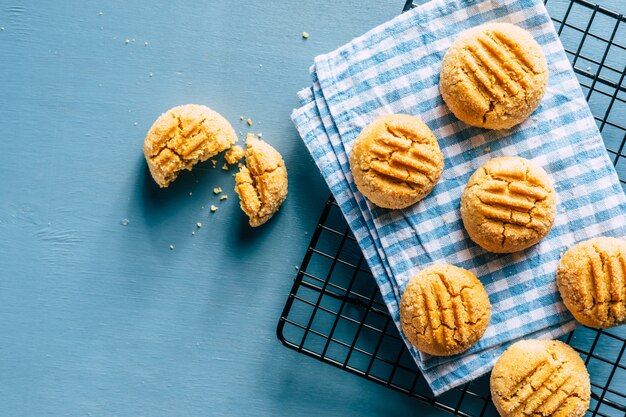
<point>592,281</point>
<point>508,205</point>
<point>396,161</point>
<point>540,378</point>
<point>182,137</point>
<point>444,310</point>
<point>262,183</point>
<point>493,76</point>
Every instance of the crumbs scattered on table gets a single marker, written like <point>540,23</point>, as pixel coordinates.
<point>487,149</point>
<point>249,121</point>
<point>199,225</point>
<point>193,233</point>
<point>125,222</point>
<point>225,167</point>
<point>145,43</point>
<point>150,75</point>
<point>127,41</point>
<point>171,247</point>
<point>224,197</point>
<point>214,162</point>
<point>240,117</point>
<point>100,13</point>
<point>305,35</point>
<point>213,209</point>
<point>217,190</point>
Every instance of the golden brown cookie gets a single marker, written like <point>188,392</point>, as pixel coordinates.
<point>182,137</point>
<point>592,281</point>
<point>262,183</point>
<point>396,161</point>
<point>540,378</point>
<point>508,204</point>
<point>444,310</point>
<point>493,76</point>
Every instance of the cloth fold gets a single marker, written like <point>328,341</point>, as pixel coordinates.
<point>394,68</point>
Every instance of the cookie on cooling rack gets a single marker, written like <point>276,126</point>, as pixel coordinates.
<point>493,76</point>
<point>396,161</point>
<point>592,281</point>
<point>540,378</point>
<point>444,310</point>
<point>508,204</point>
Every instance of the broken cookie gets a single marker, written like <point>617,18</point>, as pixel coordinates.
<point>262,183</point>
<point>182,137</point>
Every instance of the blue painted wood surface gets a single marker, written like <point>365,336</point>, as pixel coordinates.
<point>102,318</point>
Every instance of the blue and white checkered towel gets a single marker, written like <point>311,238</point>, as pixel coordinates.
<point>394,68</point>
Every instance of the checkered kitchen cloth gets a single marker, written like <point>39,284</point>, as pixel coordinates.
<point>394,68</point>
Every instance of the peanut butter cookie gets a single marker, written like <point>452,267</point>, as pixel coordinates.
<point>262,183</point>
<point>396,161</point>
<point>493,76</point>
<point>508,205</point>
<point>592,281</point>
<point>540,378</point>
<point>444,310</point>
<point>182,137</point>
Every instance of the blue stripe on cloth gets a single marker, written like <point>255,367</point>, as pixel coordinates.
<point>394,68</point>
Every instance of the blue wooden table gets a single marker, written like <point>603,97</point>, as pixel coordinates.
<point>98,316</point>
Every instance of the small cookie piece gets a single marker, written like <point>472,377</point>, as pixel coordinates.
<point>234,154</point>
<point>592,281</point>
<point>508,204</point>
<point>396,161</point>
<point>444,310</point>
<point>182,137</point>
<point>262,183</point>
<point>540,378</point>
<point>493,76</point>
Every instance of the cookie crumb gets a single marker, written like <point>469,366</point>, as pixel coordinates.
<point>234,154</point>
<point>145,43</point>
<point>213,209</point>
<point>214,162</point>
<point>217,190</point>
<point>199,225</point>
<point>171,247</point>
<point>150,75</point>
<point>249,121</point>
<point>127,41</point>
<point>487,149</point>
<point>100,13</point>
<point>305,35</point>
<point>240,117</point>
<point>125,222</point>
<point>296,266</point>
<point>193,233</point>
<point>224,197</point>
<point>225,167</point>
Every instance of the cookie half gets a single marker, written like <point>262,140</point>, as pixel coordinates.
<point>508,204</point>
<point>493,76</point>
<point>396,161</point>
<point>592,281</point>
<point>183,136</point>
<point>444,310</point>
<point>540,378</point>
<point>262,182</point>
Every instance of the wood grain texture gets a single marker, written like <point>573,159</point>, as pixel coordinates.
<point>98,318</point>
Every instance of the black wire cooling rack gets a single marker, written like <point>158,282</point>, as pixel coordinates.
<point>335,313</point>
